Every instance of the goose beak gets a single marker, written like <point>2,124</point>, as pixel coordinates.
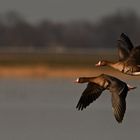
<point>77,80</point>
<point>98,64</point>
<point>130,87</point>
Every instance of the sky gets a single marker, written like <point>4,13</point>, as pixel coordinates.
<point>67,10</point>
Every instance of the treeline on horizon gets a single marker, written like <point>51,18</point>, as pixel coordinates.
<point>16,31</point>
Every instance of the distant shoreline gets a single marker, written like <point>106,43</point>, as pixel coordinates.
<point>56,72</point>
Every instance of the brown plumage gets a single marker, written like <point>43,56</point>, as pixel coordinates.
<point>129,57</point>
<point>96,85</point>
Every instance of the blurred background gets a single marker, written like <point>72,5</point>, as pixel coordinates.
<point>44,47</point>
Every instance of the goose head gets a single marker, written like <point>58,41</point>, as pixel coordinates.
<point>101,63</point>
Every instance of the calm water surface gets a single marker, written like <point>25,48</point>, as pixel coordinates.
<point>45,110</point>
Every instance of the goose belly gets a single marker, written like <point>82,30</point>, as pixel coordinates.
<point>132,70</point>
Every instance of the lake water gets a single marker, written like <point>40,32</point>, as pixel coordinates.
<point>33,109</point>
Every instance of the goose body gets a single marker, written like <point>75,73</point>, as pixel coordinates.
<point>129,57</point>
<point>96,85</point>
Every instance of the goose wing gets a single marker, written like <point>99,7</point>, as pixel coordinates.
<point>124,47</point>
<point>128,51</point>
<point>119,103</point>
<point>122,52</point>
<point>127,41</point>
<point>90,94</point>
<point>134,57</point>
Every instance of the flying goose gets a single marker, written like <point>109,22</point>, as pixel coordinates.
<point>129,57</point>
<point>96,85</point>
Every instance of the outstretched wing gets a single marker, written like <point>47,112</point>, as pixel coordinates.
<point>119,103</point>
<point>127,41</point>
<point>122,51</point>
<point>90,94</point>
<point>125,46</point>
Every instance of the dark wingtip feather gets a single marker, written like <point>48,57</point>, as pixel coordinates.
<point>81,104</point>
<point>123,34</point>
<point>90,94</point>
<point>119,119</point>
<point>127,40</point>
